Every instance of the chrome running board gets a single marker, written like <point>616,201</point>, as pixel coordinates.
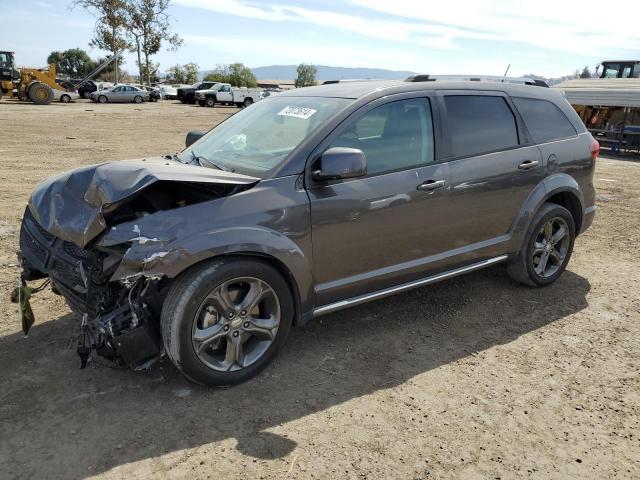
<point>351,302</point>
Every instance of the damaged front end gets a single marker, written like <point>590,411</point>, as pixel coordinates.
<point>86,231</point>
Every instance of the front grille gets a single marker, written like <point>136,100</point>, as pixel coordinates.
<point>68,265</point>
<point>75,251</point>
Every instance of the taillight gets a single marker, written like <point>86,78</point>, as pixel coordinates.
<point>595,149</point>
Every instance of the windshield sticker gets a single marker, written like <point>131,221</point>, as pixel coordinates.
<point>297,112</point>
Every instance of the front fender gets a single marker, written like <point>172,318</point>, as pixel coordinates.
<point>551,185</point>
<point>160,259</point>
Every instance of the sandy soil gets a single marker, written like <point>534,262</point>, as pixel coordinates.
<point>476,377</point>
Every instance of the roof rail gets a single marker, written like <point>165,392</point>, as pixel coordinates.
<point>477,78</point>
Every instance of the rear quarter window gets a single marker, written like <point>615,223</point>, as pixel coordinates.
<point>544,120</point>
<point>479,124</point>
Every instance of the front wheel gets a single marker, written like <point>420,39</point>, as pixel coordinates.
<point>102,99</point>
<point>546,249</point>
<point>224,321</point>
<point>211,102</point>
<point>65,98</point>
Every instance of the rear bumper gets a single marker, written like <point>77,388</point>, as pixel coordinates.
<point>587,217</point>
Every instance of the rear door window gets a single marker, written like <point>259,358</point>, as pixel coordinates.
<point>544,120</point>
<point>479,124</point>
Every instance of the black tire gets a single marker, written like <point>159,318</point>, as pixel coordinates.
<point>137,99</point>
<point>102,99</point>
<point>248,101</point>
<point>184,300</point>
<point>191,99</point>
<point>65,98</point>
<point>40,93</point>
<point>522,268</point>
<point>210,102</point>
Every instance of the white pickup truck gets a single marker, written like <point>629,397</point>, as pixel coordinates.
<point>226,94</point>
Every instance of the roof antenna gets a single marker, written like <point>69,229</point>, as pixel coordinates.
<point>507,70</point>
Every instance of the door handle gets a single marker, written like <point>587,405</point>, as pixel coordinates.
<point>528,165</point>
<point>431,185</point>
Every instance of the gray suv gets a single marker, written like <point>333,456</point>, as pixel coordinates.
<point>308,202</point>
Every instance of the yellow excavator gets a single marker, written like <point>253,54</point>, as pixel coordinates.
<point>31,84</point>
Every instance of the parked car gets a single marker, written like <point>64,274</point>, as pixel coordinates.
<point>85,90</point>
<point>311,201</point>
<point>67,92</point>
<point>226,94</point>
<point>121,94</point>
<point>188,94</point>
<point>154,92</point>
<point>65,96</point>
<point>170,92</point>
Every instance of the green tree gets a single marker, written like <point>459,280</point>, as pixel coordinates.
<point>241,76</point>
<point>219,74</point>
<point>306,76</point>
<point>73,62</point>
<point>187,73</point>
<point>586,73</point>
<point>237,74</point>
<point>148,27</point>
<point>110,31</point>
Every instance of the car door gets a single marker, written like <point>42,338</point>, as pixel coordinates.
<point>388,227</point>
<point>116,94</point>
<point>494,166</point>
<point>224,94</point>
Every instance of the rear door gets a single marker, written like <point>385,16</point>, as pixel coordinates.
<point>388,227</point>
<point>494,166</point>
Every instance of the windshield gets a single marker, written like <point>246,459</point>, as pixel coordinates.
<point>256,140</point>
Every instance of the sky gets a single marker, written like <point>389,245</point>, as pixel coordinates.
<point>547,38</point>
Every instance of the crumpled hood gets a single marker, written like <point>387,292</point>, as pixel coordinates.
<point>72,205</point>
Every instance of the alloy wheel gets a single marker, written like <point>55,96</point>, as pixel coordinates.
<point>550,247</point>
<point>236,324</point>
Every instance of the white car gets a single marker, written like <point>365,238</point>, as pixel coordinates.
<point>170,92</point>
<point>64,96</point>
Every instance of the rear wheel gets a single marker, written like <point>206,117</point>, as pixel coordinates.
<point>137,99</point>
<point>547,247</point>
<point>224,321</point>
<point>248,101</point>
<point>39,93</point>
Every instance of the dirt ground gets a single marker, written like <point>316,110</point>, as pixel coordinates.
<point>476,377</point>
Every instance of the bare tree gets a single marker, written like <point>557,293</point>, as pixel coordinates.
<point>111,24</point>
<point>149,26</point>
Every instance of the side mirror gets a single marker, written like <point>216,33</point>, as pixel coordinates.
<point>193,137</point>
<point>339,163</point>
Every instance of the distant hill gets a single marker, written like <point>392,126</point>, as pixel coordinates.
<point>324,72</point>
<point>288,72</point>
